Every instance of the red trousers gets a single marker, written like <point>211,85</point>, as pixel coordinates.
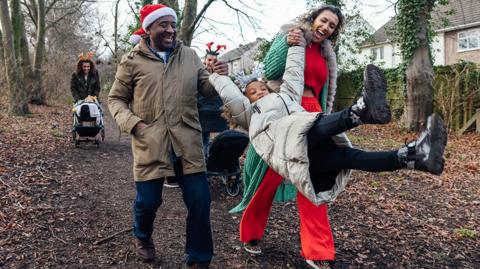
<point>315,234</point>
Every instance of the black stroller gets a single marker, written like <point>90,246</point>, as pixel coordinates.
<point>87,123</point>
<point>224,152</point>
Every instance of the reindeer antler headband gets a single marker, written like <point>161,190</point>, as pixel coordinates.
<point>87,56</point>
<point>243,80</point>
<point>214,52</point>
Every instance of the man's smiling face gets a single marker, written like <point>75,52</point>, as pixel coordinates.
<point>163,32</point>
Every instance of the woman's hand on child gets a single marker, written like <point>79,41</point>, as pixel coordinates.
<point>295,37</point>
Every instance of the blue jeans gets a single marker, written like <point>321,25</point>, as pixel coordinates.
<point>196,196</point>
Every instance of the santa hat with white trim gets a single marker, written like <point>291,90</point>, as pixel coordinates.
<point>148,14</point>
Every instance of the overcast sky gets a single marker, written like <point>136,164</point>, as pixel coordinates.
<point>273,14</point>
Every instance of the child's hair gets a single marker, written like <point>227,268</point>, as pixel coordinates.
<point>242,80</point>
<point>228,116</point>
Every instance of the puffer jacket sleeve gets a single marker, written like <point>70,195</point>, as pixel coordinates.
<point>293,78</point>
<point>237,104</point>
<point>120,97</point>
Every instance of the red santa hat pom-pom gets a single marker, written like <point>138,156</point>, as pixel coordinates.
<point>136,36</point>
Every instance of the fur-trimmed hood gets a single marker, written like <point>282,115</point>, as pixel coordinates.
<point>330,56</point>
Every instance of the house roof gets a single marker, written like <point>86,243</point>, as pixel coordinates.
<point>465,12</point>
<point>238,52</point>
<point>383,34</point>
<point>459,14</point>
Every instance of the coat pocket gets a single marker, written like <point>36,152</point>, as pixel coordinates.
<point>146,146</point>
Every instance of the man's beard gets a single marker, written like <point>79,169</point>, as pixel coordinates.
<point>158,41</point>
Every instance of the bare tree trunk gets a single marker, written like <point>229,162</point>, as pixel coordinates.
<point>2,58</point>
<point>17,94</point>
<point>188,22</point>
<point>115,33</point>
<point>20,43</point>
<point>38,93</point>
<point>3,75</point>
<point>16,26</point>
<point>26,62</point>
<point>420,77</point>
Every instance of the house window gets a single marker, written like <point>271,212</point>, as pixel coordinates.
<point>469,40</point>
<point>377,54</point>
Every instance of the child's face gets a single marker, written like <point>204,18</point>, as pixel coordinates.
<point>256,90</point>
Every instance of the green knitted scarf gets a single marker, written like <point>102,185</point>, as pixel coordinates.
<point>254,170</point>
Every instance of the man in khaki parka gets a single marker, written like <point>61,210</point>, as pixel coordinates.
<point>154,98</point>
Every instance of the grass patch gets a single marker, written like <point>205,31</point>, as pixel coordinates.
<point>374,184</point>
<point>466,233</point>
<point>3,129</point>
<point>406,195</point>
<point>22,131</point>
<point>57,133</point>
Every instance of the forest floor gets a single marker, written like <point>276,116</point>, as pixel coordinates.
<point>58,202</point>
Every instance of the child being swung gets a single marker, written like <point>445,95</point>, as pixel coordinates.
<point>281,131</point>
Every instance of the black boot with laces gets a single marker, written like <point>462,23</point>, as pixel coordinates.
<point>426,153</point>
<point>372,107</point>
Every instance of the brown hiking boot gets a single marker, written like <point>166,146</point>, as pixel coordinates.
<point>145,249</point>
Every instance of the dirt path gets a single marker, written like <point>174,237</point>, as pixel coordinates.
<point>56,203</point>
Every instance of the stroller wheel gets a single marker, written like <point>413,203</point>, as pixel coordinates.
<point>97,143</point>
<point>233,187</point>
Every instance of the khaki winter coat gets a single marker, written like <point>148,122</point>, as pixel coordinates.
<point>278,127</point>
<point>164,96</point>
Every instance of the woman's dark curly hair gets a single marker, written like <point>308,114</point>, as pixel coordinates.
<point>92,71</point>
<point>312,15</point>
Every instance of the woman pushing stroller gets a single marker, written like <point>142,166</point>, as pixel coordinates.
<point>283,133</point>
<point>85,81</point>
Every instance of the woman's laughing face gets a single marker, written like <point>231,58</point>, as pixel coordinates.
<point>324,25</point>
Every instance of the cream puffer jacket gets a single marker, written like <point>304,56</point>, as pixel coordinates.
<point>278,127</point>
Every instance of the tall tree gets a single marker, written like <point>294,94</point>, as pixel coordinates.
<point>38,95</point>
<point>190,19</point>
<point>2,62</point>
<point>17,95</point>
<point>116,36</point>
<point>38,11</point>
<point>2,59</point>
<point>413,25</point>
<point>20,42</point>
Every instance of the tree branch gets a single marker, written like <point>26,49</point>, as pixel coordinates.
<point>200,14</point>
<point>133,10</point>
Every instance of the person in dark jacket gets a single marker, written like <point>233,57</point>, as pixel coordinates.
<point>210,109</point>
<point>85,80</point>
